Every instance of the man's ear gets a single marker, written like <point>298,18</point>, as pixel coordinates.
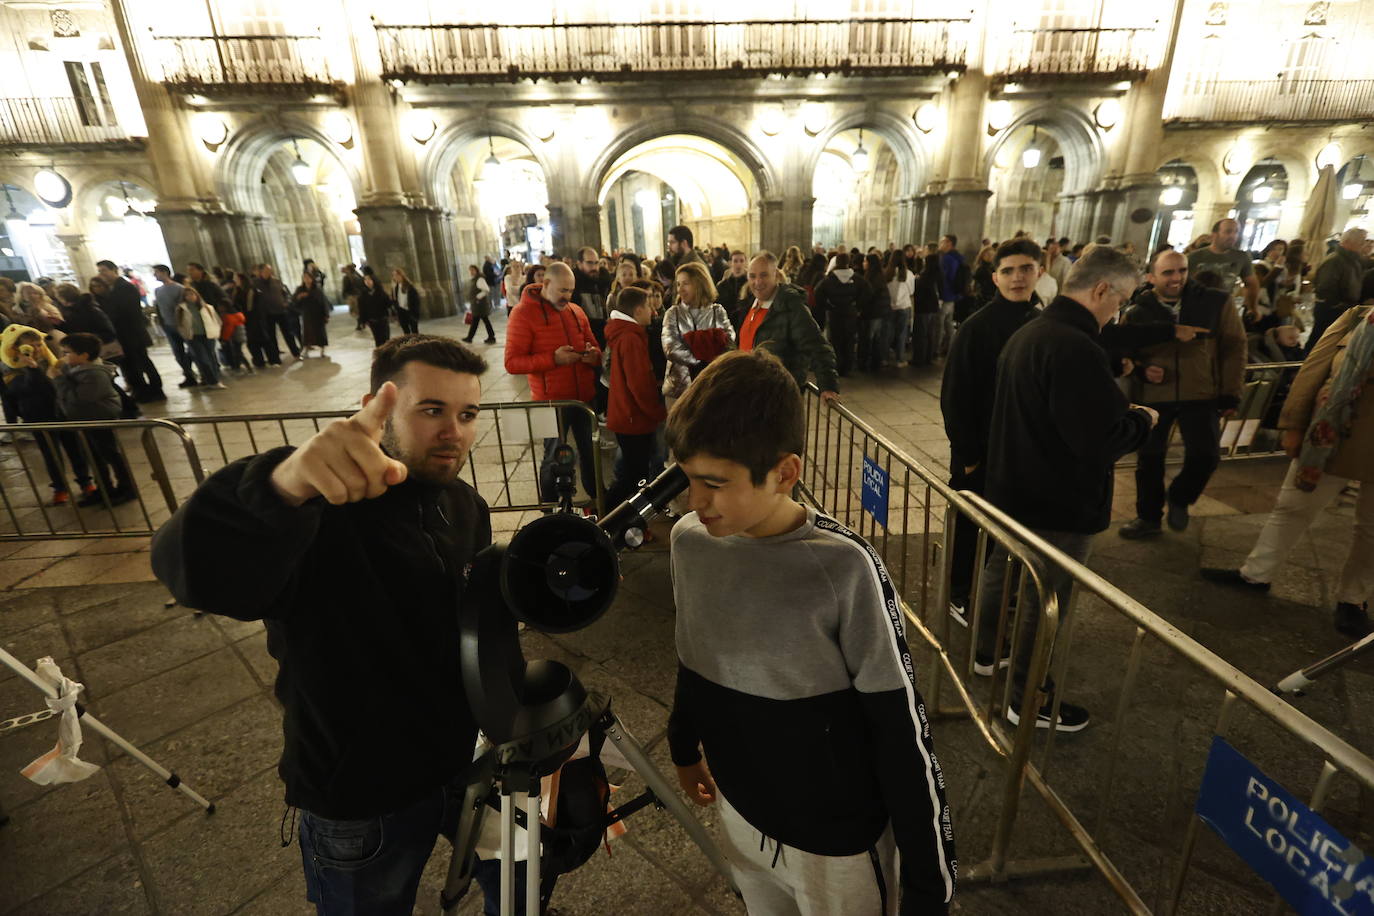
<point>788,470</point>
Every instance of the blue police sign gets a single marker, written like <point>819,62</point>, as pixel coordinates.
<point>1312,866</point>
<point>874,497</point>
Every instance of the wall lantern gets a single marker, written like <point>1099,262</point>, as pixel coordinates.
<point>927,117</point>
<point>814,116</point>
<point>1329,155</point>
<point>771,120</point>
<point>53,189</point>
<point>422,126</point>
<point>212,130</point>
<point>1171,197</point>
<point>1030,158</point>
<point>1108,114</point>
<point>999,115</point>
<point>339,128</point>
<point>1262,194</point>
<point>860,157</point>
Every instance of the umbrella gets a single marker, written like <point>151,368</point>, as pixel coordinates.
<point>1319,219</point>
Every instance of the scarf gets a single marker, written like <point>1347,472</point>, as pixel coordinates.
<point>1335,414</point>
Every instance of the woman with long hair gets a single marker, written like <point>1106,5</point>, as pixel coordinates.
<point>791,265</point>
<point>375,309</point>
<point>315,309</point>
<point>37,308</point>
<point>199,325</point>
<point>983,286</point>
<point>901,283</point>
<point>479,303</point>
<point>695,331</point>
<point>407,299</point>
<point>875,312</point>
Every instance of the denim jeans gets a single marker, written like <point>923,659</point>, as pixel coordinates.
<point>580,422</point>
<point>179,351</point>
<point>373,866</point>
<point>899,329</point>
<point>203,355</point>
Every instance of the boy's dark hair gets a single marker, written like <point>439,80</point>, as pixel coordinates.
<point>631,298</point>
<point>744,407</point>
<point>81,342</point>
<point>442,352</point>
<point>953,239</point>
<point>1023,246</point>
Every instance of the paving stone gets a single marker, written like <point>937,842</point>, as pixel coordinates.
<point>161,648</point>
<point>21,610</point>
<point>117,618</point>
<point>254,650</point>
<point>57,837</point>
<point>110,887</point>
<point>174,699</point>
<point>189,860</point>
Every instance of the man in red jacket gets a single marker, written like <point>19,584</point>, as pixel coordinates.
<point>549,339</point>
<point>636,408</point>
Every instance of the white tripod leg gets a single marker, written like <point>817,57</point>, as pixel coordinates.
<point>509,803</point>
<point>533,830</point>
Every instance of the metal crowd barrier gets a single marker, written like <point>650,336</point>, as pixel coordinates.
<point>503,464</point>
<point>1164,679</point>
<point>27,477</point>
<point>1252,433</point>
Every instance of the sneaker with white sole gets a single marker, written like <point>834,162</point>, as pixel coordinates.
<point>982,664</point>
<point>1071,718</point>
<point>959,612</point>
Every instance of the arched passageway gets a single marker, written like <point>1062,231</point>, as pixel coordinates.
<point>678,179</point>
<point>1259,203</point>
<point>1174,220</point>
<point>856,183</point>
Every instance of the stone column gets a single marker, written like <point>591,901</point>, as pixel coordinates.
<point>966,194</point>
<point>965,213</point>
<point>772,225</point>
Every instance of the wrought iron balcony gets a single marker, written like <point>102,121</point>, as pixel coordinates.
<point>1204,102</point>
<point>1113,54</point>
<point>212,64</point>
<point>47,123</point>
<point>491,53</point>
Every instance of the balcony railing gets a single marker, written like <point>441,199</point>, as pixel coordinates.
<point>1268,101</point>
<point>53,122</point>
<point>489,53</point>
<point>218,63</point>
<point>1086,52</point>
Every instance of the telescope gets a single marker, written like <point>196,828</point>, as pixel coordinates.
<point>558,574</point>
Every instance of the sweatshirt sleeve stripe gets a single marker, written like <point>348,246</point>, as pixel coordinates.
<point>882,582</point>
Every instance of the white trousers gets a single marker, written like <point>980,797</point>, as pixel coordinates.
<point>790,882</point>
<point>1293,513</point>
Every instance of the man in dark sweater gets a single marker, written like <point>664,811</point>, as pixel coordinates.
<point>966,395</point>
<point>354,550</point>
<point>1059,424</point>
<point>124,305</point>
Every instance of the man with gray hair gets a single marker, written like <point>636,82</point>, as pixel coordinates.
<point>1059,424</point>
<point>1337,283</point>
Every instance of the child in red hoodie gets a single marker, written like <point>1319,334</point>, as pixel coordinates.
<point>636,408</point>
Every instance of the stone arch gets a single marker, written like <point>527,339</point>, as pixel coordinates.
<point>84,197</point>
<point>1207,171</point>
<point>898,133</point>
<point>732,140</point>
<point>239,166</point>
<point>441,153</point>
<point>1081,142</point>
<point>1299,164</point>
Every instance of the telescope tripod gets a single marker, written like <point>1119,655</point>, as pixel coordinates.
<point>518,787</point>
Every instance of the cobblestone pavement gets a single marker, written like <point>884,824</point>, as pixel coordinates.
<point>195,693</point>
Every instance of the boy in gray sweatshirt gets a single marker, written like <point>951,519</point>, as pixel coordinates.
<point>794,677</point>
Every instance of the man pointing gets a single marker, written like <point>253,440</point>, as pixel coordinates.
<point>354,550</point>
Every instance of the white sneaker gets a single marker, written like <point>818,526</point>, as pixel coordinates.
<point>216,386</point>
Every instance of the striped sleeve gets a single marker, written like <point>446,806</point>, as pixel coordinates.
<point>873,640</point>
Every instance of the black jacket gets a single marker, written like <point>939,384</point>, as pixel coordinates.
<point>374,304</point>
<point>970,382</point>
<point>838,300</point>
<point>88,319</point>
<point>361,604</point>
<point>1059,423</point>
<point>876,303</point>
<point>926,297</point>
<point>728,295</point>
<point>212,293</point>
<point>412,299</point>
<point>125,308</point>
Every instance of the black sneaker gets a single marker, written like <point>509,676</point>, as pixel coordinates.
<point>1177,517</point>
<point>959,611</point>
<point>187,383</point>
<point>1138,528</point>
<point>91,499</point>
<point>982,664</point>
<point>1232,577</point>
<point>1071,718</point>
<point>1353,620</point>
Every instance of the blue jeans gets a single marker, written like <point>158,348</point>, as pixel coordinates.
<point>203,354</point>
<point>899,328</point>
<point>373,866</point>
<point>581,424</point>
<point>179,350</point>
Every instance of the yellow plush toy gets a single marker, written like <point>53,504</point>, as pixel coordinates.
<point>12,352</point>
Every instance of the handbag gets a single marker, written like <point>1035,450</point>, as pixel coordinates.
<point>467,318</point>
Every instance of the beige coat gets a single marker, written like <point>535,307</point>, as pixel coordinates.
<point>1354,459</point>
